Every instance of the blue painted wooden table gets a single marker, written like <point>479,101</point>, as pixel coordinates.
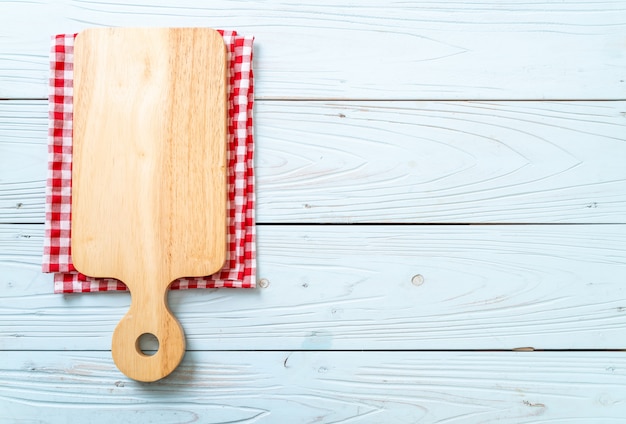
<point>468,160</point>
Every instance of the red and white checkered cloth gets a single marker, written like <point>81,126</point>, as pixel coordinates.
<point>240,267</point>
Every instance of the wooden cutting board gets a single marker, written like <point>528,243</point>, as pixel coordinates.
<point>149,186</point>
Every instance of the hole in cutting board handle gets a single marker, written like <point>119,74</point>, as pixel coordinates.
<point>147,344</point>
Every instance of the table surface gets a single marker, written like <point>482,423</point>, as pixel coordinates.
<point>441,198</point>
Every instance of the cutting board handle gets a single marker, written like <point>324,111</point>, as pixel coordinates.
<point>148,314</point>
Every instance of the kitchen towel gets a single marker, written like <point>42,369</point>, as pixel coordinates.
<point>240,267</point>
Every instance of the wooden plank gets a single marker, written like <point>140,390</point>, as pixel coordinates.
<point>395,161</point>
<point>360,287</point>
<point>442,162</point>
<point>294,387</point>
<point>367,50</point>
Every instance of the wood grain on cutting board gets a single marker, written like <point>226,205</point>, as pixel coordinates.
<point>149,190</point>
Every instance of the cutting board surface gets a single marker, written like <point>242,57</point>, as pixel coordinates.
<point>149,186</point>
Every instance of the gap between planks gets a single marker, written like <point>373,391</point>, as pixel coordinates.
<point>358,99</point>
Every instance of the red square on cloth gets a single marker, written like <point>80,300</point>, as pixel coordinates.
<point>240,267</point>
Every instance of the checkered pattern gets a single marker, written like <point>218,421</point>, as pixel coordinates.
<point>240,267</point>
